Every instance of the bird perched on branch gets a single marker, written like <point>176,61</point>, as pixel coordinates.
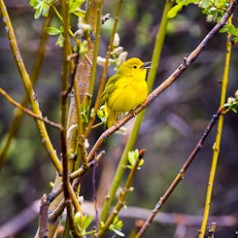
<point>125,90</point>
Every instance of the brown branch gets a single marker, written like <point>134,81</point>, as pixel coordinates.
<point>122,197</point>
<point>53,195</point>
<point>29,112</point>
<point>23,218</point>
<point>171,79</point>
<point>54,216</point>
<point>137,213</point>
<point>43,217</point>
<point>14,225</point>
<point>181,173</point>
<point>95,196</point>
<point>64,110</point>
<point>83,169</point>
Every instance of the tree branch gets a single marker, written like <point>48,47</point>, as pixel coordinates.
<point>181,173</point>
<point>28,87</point>
<point>217,144</point>
<point>29,112</point>
<point>170,80</point>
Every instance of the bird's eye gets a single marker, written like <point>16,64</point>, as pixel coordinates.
<point>135,67</point>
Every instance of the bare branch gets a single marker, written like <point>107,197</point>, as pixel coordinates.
<point>170,80</point>
<point>29,112</point>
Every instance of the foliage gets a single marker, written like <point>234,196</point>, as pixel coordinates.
<point>82,223</point>
<point>232,30</point>
<point>182,115</point>
<point>132,157</point>
<point>213,9</point>
<point>116,226</point>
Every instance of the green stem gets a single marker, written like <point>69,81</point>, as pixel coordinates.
<point>18,114</point>
<point>64,110</point>
<point>217,144</point>
<point>134,134</point>
<point>96,47</point>
<point>105,69</point>
<point>122,198</point>
<point>61,19</point>
<point>29,88</point>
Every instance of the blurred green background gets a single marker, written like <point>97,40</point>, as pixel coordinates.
<point>172,126</point>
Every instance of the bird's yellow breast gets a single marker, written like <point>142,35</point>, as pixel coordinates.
<point>129,92</point>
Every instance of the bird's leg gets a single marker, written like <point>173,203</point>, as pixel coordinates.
<point>133,112</point>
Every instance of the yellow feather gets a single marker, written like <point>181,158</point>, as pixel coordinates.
<point>125,90</point>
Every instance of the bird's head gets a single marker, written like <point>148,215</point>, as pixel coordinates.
<point>133,65</point>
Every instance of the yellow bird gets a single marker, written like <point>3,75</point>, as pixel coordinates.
<point>125,90</point>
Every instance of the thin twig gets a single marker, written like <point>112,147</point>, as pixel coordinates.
<point>81,158</point>
<point>136,127</point>
<point>54,216</point>
<point>53,195</point>
<point>62,20</point>
<point>181,173</point>
<point>29,88</point>
<point>64,110</point>
<point>105,69</point>
<point>82,170</point>
<point>96,47</point>
<point>217,144</point>
<point>18,114</point>
<point>43,217</point>
<point>122,198</point>
<point>95,195</point>
<point>75,200</point>
<point>27,215</point>
<point>73,73</point>
<point>172,78</point>
<point>29,112</point>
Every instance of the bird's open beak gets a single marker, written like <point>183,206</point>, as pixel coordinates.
<point>146,65</point>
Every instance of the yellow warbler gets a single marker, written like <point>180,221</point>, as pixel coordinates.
<point>125,90</point>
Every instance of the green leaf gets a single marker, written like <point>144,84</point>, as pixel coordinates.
<point>80,13</point>
<point>116,226</point>
<point>82,222</point>
<point>102,115</point>
<point>174,11</point>
<point>234,110</point>
<point>205,3</point>
<point>235,40</point>
<point>141,162</point>
<point>60,41</point>
<point>52,30</point>
<point>34,3</point>
<point>87,222</point>
<point>133,156</point>
<point>83,48</point>
<point>37,13</point>
<point>45,11</point>
<point>224,29</point>
<point>231,29</point>
<point>77,217</point>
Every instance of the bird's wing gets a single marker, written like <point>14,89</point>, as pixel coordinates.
<point>110,87</point>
